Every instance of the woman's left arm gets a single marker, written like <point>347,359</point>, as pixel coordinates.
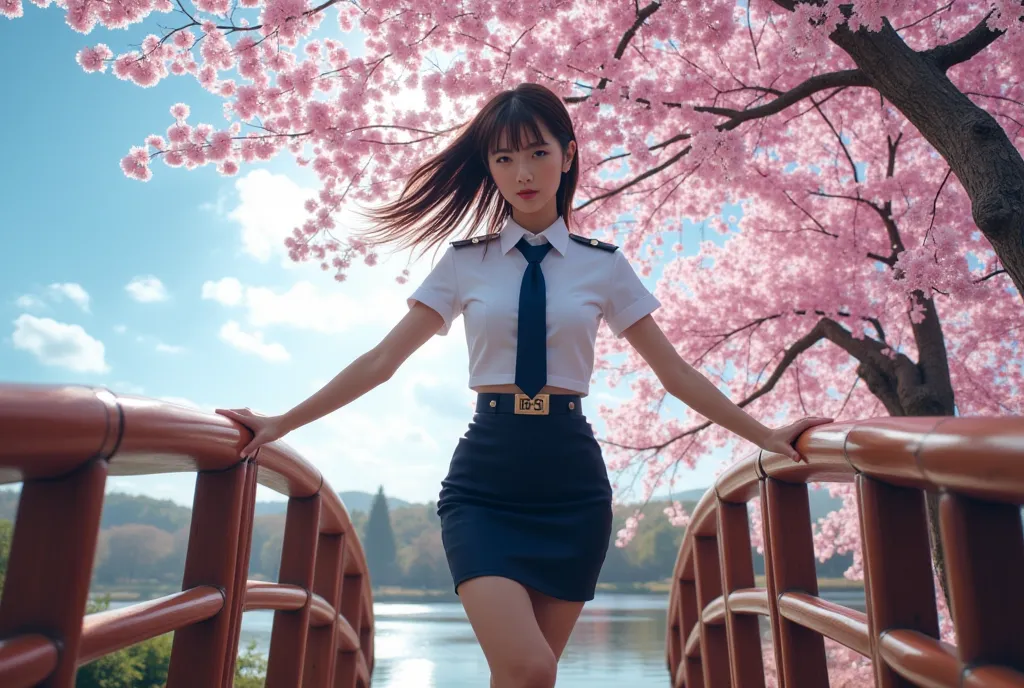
<point>682,381</point>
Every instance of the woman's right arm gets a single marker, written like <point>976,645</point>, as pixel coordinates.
<point>373,368</point>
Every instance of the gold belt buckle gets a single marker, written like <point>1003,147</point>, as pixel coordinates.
<point>537,406</point>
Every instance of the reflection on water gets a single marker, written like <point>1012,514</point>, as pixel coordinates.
<point>619,641</point>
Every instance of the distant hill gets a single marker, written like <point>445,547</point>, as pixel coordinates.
<point>822,503</point>
<point>353,500</point>
<point>121,509</point>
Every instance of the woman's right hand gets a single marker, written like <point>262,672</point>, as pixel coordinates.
<point>264,428</point>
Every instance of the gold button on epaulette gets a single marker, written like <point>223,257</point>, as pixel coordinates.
<point>475,240</point>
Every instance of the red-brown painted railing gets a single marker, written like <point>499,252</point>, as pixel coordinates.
<point>63,442</point>
<point>975,464</point>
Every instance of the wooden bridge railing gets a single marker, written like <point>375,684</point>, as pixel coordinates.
<point>63,442</point>
<point>977,467</point>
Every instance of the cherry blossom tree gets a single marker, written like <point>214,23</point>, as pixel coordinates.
<point>874,147</point>
<point>669,83</point>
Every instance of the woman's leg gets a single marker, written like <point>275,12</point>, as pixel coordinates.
<point>556,619</point>
<point>501,613</point>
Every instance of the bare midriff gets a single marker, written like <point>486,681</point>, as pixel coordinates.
<point>512,389</point>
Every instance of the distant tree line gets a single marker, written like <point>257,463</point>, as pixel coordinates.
<point>403,547</point>
<point>143,542</point>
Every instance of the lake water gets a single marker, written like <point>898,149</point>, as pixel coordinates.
<point>619,641</point>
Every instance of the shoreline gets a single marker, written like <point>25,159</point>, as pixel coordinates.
<point>144,592</point>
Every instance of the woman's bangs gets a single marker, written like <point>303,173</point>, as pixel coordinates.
<point>513,126</point>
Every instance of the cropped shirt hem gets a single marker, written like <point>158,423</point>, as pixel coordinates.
<point>510,379</point>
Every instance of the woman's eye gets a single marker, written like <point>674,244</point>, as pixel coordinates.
<point>542,151</point>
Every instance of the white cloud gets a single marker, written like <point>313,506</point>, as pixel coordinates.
<point>56,293</point>
<point>29,302</point>
<point>120,329</point>
<point>59,344</point>
<point>71,291</point>
<point>270,205</point>
<point>227,291</point>
<point>252,342</point>
<point>169,348</point>
<point>306,306</point>
<point>147,289</point>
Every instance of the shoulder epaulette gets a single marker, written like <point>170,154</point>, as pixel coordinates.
<point>472,241</point>
<point>593,242</point>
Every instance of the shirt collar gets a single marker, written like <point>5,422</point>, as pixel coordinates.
<point>557,235</point>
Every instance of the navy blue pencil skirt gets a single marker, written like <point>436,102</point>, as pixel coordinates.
<point>528,498</point>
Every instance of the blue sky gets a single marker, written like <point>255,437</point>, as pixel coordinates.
<point>103,280</point>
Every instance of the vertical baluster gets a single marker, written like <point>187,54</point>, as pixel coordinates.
<point>984,548</point>
<point>693,670</point>
<point>200,651</point>
<point>352,610</point>
<point>675,643</point>
<point>366,637</point>
<point>897,567</point>
<point>714,647</point>
<point>51,562</point>
<point>792,561</point>
<point>298,552</point>
<point>241,569</point>
<point>742,630</point>
<point>773,597</point>
<point>321,647</point>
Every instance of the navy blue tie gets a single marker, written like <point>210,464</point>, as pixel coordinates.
<point>531,344</point>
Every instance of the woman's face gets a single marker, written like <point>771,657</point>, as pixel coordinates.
<point>538,167</point>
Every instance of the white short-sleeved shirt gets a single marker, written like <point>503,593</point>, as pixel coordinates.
<point>584,282</point>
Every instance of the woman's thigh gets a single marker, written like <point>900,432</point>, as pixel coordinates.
<point>501,614</point>
<point>556,619</point>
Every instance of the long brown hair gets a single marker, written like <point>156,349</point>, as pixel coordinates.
<point>445,189</point>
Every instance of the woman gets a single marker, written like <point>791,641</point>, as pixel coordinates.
<point>526,506</point>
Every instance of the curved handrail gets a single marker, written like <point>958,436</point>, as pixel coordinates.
<point>63,441</point>
<point>977,466</point>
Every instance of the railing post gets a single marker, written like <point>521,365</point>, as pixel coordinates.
<point>321,649</point>
<point>984,546</point>
<point>199,654</point>
<point>298,553</point>
<point>792,560</point>
<point>714,647</point>
<point>737,564</point>
<point>237,605</point>
<point>689,615</point>
<point>898,581</point>
<point>347,664</point>
<point>772,591</point>
<point>51,562</point>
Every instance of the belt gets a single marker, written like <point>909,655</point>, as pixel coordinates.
<point>523,405</point>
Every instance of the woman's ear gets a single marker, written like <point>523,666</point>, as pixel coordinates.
<point>570,152</point>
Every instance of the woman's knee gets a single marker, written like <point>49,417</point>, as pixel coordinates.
<point>535,670</point>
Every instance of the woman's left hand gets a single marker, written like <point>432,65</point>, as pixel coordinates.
<point>781,440</point>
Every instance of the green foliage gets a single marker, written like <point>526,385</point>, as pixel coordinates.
<point>121,509</point>
<point>250,668</point>
<point>6,532</point>
<point>379,544</point>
